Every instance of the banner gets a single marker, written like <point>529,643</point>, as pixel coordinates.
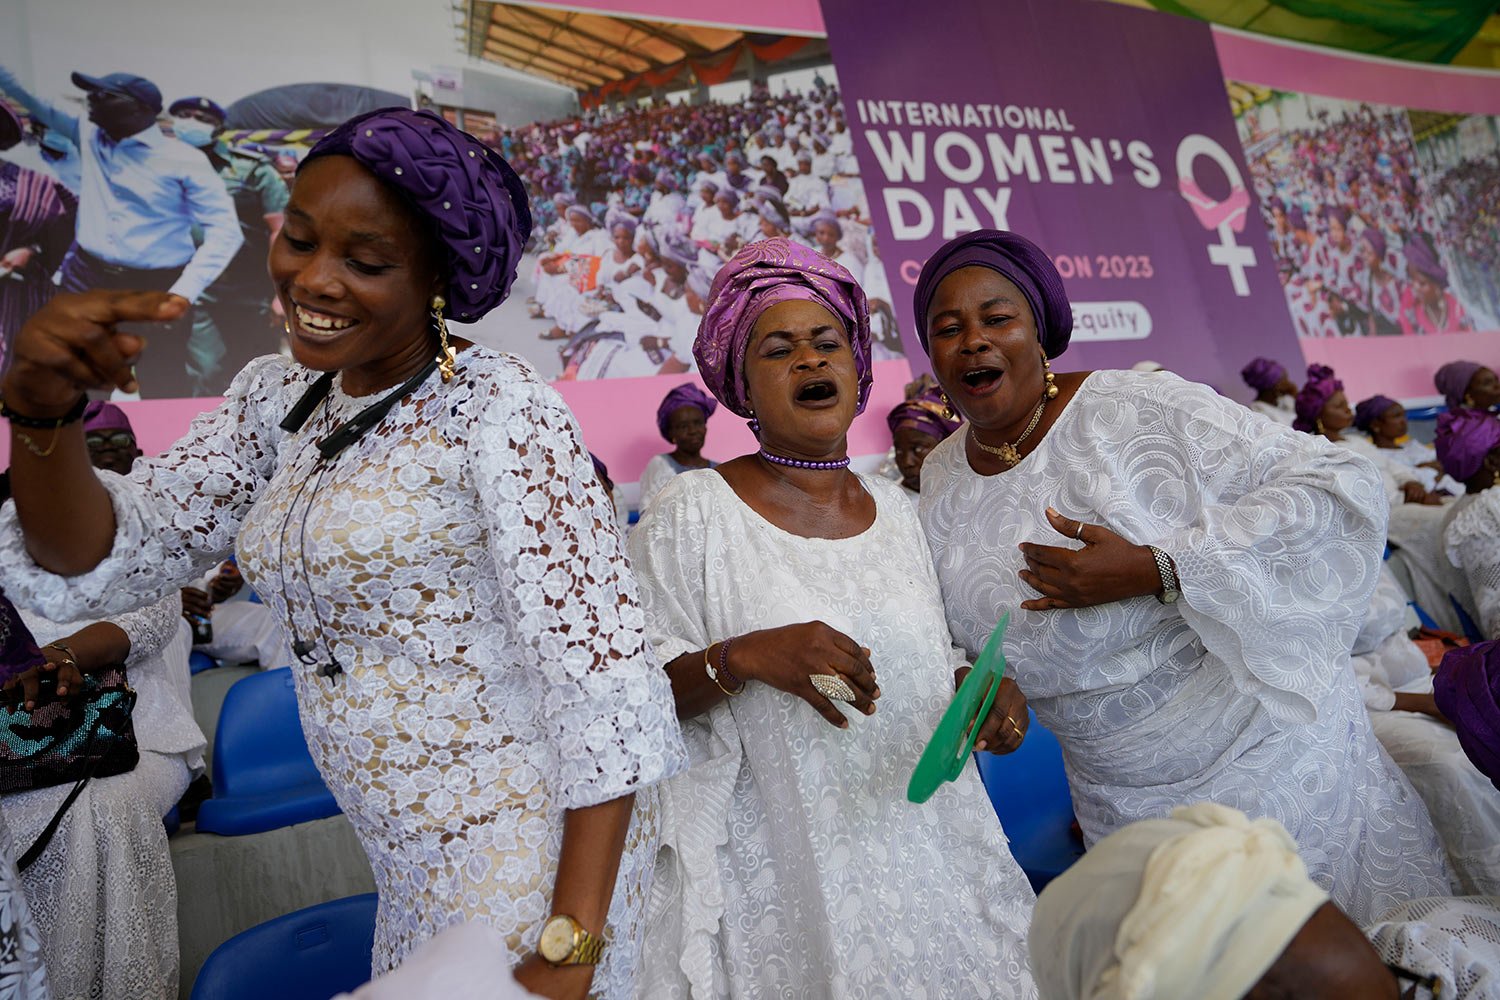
<point>1128,173</point>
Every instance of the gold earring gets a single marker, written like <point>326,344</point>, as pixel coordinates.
<point>1318,425</point>
<point>447,358</point>
<point>948,413</point>
<point>1050,378</point>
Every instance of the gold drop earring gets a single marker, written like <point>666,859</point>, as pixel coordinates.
<point>1050,378</point>
<point>948,413</point>
<point>446,357</point>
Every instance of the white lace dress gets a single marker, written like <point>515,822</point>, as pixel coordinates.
<point>1461,801</point>
<point>793,866</point>
<point>1283,411</point>
<point>1241,693</point>
<point>23,976</point>
<point>104,894</point>
<point>467,573</point>
<point>1471,542</point>
<point>1456,939</point>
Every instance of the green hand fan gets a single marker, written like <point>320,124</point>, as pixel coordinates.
<point>948,750</point>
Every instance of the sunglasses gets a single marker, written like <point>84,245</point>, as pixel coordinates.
<point>119,439</point>
<point>1431,984</point>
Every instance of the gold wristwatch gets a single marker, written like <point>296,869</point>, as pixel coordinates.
<point>565,942</point>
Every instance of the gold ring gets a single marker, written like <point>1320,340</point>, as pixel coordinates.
<point>1013,725</point>
<point>832,686</point>
<point>1079,533</point>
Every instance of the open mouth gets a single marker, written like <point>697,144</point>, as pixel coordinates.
<point>981,380</point>
<point>818,390</point>
<point>320,323</point>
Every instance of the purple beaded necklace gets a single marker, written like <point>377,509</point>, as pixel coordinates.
<point>797,463</point>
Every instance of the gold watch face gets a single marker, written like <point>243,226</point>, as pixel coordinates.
<point>557,939</point>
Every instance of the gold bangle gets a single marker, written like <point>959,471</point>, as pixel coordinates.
<point>713,673</point>
<point>67,652</point>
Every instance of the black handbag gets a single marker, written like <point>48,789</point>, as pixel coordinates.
<point>73,739</point>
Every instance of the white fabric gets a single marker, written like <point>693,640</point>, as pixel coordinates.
<point>1416,537</point>
<point>1284,411</point>
<point>465,962</point>
<point>1384,658</point>
<point>1195,907</point>
<point>471,583</point>
<point>657,474</point>
<point>1457,940</point>
<point>1277,539</point>
<point>103,893</point>
<point>244,631</point>
<point>1471,541</point>
<point>23,976</point>
<point>793,865</point>
<point>1414,455</point>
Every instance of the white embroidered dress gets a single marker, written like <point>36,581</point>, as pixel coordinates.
<point>1471,543</point>
<point>463,565</point>
<point>1241,693</point>
<point>793,865</point>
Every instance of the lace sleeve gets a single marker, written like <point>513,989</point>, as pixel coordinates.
<point>1279,563</point>
<point>175,515</point>
<point>150,628</point>
<point>607,705</point>
<point>1473,544</point>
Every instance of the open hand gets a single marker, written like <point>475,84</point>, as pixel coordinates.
<point>69,678</point>
<point>1107,569</point>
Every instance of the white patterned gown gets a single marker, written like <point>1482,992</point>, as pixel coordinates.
<point>793,865</point>
<point>1241,693</point>
<point>467,573</point>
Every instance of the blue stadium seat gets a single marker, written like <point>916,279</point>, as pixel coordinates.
<point>199,662</point>
<point>311,954</point>
<point>172,821</point>
<point>1029,791</point>
<point>1425,412</point>
<point>263,776</point>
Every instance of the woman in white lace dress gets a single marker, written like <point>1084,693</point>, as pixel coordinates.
<point>103,892</point>
<point>793,865</point>
<point>1240,692</point>
<point>474,683</point>
<point>23,975</point>
<point>1468,445</point>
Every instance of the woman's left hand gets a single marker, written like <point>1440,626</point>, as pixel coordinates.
<point>567,982</point>
<point>1107,569</point>
<point>1005,727</point>
<point>69,679</point>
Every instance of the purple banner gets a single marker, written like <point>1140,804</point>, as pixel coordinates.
<point>1099,131</point>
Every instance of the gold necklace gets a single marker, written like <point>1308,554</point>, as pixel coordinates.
<point>1010,454</point>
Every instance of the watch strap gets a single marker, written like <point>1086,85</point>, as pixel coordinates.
<point>1168,573</point>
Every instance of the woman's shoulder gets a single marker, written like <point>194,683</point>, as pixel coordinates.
<point>269,386</point>
<point>1477,518</point>
<point>487,378</point>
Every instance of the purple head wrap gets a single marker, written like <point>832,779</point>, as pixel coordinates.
<point>759,276</point>
<point>686,394</point>
<point>677,247</point>
<point>102,416</point>
<point>1422,257</point>
<point>1452,380</point>
<point>1370,410</point>
<point>1019,260</point>
<point>1316,392</point>
<point>1467,690</point>
<point>1296,217</point>
<point>1331,212</point>
<point>925,412</point>
<point>1263,373</point>
<point>473,199</point>
<point>600,469</point>
<point>666,180</point>
<point>1464,438</point>
<point>1376,239</point>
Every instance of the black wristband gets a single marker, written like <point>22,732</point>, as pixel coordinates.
<point>48,423</point>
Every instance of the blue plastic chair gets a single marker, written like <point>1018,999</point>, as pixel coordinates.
<point>1029,791</point>
<point>199,662</point>
<point>310,954</point>
<point>1425,412</point>
<point>264,778</point>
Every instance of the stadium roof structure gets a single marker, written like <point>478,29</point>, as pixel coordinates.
<point>603,55</point>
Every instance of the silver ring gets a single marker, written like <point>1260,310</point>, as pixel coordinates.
<point>832,686</point>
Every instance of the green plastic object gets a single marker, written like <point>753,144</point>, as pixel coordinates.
<point>948,750</point>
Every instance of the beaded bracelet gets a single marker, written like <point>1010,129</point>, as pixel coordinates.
<point>74,414</point>
<point>718,675</point>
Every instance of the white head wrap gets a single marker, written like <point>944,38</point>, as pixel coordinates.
<point>1196,907</point>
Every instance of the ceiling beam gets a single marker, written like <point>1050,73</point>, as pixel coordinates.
<point>525,59</point>
<point>567,23</point>
<point>553,43</point>
<point>687,45</point>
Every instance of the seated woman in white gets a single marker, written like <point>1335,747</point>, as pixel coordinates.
<point>1275,392</point>
<point>793,865</point>
<point>1384,420</point>
<point>103,893</point>
<point>1468,445</point>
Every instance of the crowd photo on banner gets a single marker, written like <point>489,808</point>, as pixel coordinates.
<point>488,526</point>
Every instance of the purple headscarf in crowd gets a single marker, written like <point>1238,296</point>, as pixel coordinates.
<point>1422,257</point>
<point>1464,438</point>
<point>1314,395</point>
<point>102,416</point>
<point>1467,690</point>
<point>1017,259</point>
<point>1370,410</point>
<point>1376,239</point>
<point>686,394</point>
<point>473,199</point>
<point>759,276</point>
<point>1452,380</point>
<point>1263,373</point>
<point>925,412</point>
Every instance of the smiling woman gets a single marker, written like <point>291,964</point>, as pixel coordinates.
<point>473,679</point>
<point>777,589</point>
